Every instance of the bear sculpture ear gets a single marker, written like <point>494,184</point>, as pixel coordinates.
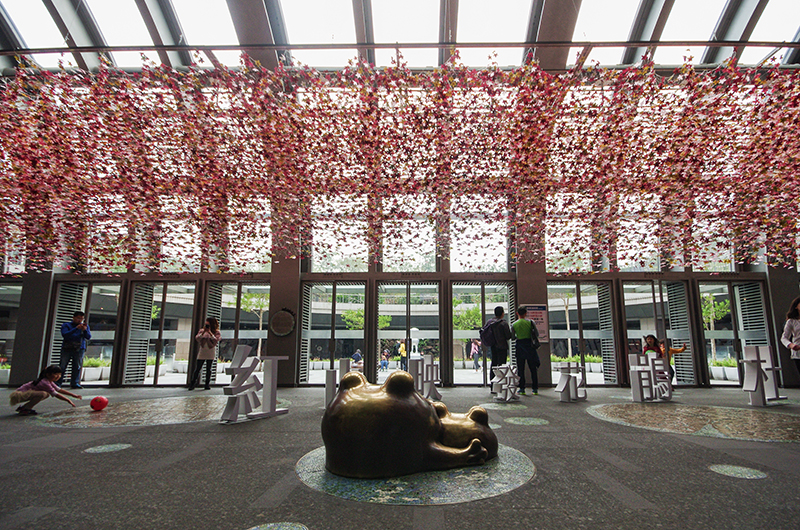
<point>441,409</point>
<point>352,380</point>
<point>398,383</point>
<point>478,415</point>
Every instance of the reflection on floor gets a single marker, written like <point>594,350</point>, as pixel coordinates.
<point>510,470</point>
<point>159,411</point>
<point>719,422</point>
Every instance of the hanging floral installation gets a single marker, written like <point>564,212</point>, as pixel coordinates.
<point>217,169</point>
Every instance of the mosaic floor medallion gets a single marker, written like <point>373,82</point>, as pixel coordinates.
<point>159,411</point>
<point>510,470</point>
<point>280,526</point>
<point>501,405</point>
<point>527,421</point>
<point>107,448</point>
<point>737,471</point>
<point>701,420</point>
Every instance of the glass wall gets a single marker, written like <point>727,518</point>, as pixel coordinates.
<point>582,328</point>
<point>10,294</point>
<point>160,333</point>
<point>333,327</point>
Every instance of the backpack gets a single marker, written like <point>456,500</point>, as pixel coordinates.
<point>487,334</point>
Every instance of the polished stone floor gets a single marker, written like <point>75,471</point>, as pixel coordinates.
<point>158,458</point>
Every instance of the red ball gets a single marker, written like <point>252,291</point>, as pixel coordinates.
<point>98,403</point>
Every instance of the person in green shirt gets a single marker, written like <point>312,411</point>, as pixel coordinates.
<point>527,342</point>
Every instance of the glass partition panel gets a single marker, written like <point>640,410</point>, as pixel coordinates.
<point>640,314</point>
<point>424,322</point>
<point>467,304</point>
<point>10,294</point>
<point>597,329</point>
<point>392,309</point>
<point>102,319</point>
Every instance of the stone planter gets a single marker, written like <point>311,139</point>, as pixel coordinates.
<point>180,367</point>
<point>4,375</point>
<point>105,373</point>
<point>221,367</point>
<point>91,373</point>
<point>595,368</point>
<point>731,373</point>
<point>717,372</point>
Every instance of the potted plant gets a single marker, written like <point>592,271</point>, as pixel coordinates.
<point>731,369</point>
<point>92,369</point>
<point>151,366</point>
<point>717,370</point>
<point>5,373</point>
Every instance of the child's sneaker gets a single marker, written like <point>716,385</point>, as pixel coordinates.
<point>27,412</point>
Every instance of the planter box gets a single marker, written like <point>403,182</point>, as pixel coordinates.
<point>105,373</point>
<point>150,370</point>
<point>180,367</point>
<point>731,373</point>
<point>596,368</point>
<point>221,367</point>
<point>91,373</point>
<point>4,375</point>
<point>717,372</point>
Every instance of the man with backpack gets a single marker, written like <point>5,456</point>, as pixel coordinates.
<point>495,335</point>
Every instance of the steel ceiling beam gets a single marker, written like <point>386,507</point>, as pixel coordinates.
<point>557,24</point>
<point>10,39</point>
<point>251,22</point>
<point>648,25</point>
<point>79,29</point>
<point>793,54</point>
<point>532,34</point>
<point>448,28</point>
<point>162,23</point>
<point>736,22</point>
<point>278,25</point>
<point>365,33</point>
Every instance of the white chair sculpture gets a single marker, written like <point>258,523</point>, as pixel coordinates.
<point>572,382</point>
<point>430,378</point>
<point>760,376</point>
<point>650,379</point>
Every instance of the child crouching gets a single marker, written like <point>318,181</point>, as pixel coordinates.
<point>40,388</point>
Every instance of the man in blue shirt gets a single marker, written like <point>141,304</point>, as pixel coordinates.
<point>75,335</point>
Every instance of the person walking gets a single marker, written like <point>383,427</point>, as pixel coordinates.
<point>75,334</point>
<point>208,338</point>
<point>475,354</point>
<point>791,332</point>
<point>527,343</point>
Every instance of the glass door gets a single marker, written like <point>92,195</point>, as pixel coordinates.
<point>10,295</point>
<point>718,333</point>
<point>473,304</point>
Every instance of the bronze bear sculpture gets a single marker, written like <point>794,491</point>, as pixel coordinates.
<point>373,431</point>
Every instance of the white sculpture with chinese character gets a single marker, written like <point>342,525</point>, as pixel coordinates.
<point>650,379</point>
<point>505,383</point>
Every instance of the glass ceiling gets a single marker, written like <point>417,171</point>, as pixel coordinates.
<point>334,22</point>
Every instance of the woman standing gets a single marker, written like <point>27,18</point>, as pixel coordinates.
<point>208,338</point>
<point>791,332</point>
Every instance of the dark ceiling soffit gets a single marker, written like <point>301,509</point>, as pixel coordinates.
<point>277,25</point>
<point>648,25</point>
<point>793,54</point>
<point>83,31</point>
<point>164,27</point>
<point>365,34</point>
<point>448,28</point>
<point>736,22</point>
<point>532,34</point>
<point>251,22</point>
<point>10,39</point>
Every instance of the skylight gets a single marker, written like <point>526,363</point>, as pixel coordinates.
<point>480,21</point>
<point>407,21</point>
<point>603,20</point>
<point>688,20</point>
<point>122,25</point>
<point>37,28</point>
<point>208,22</point>
<point>778,22</point>
<point>320,22</point>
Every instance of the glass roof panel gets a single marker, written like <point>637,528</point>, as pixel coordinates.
<point>208,22</point>
<point>38,30</point>
<point>320,22</point>
<point>778,22</point>
<point>688,20</point>
<point>499,21</point>
<point>407,21</point>
<point>122,25</point>
<point>603,20</point>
